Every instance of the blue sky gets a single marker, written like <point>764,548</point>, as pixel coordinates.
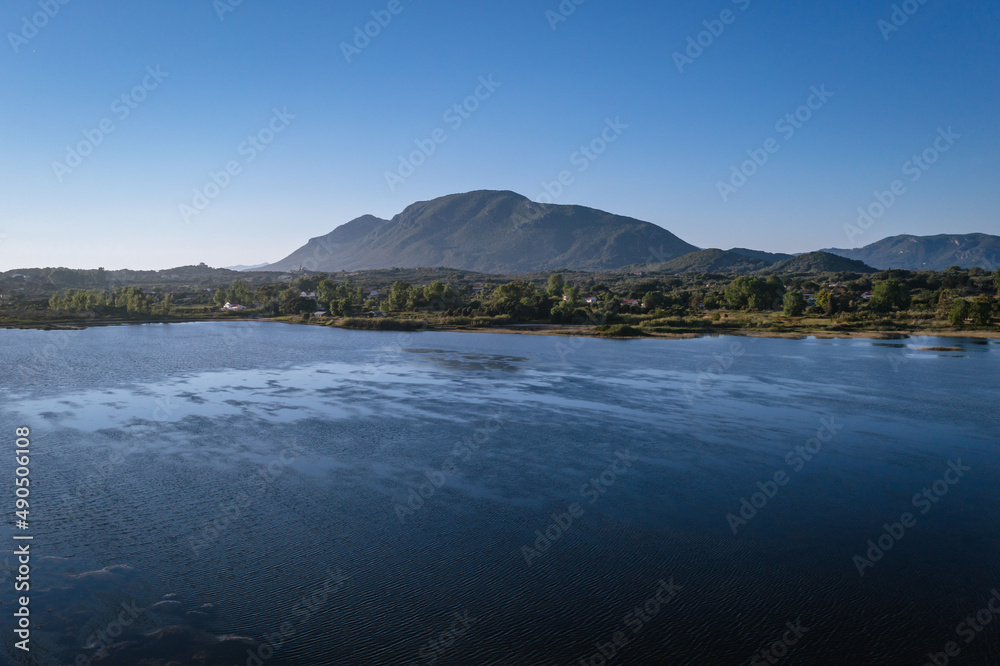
<point>226,72</point>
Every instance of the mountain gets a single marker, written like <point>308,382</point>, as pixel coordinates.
<point>820,262</point>
<point>489,232</point>
<point>934,253</point>
<point>713,261</point>
<point>769,257</point>
<point>241,267</point>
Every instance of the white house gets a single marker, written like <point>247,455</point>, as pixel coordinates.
<point>308,294</point>
<point>233,307</point>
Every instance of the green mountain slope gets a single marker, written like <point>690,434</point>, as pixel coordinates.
<point>935,253</point>
<point>490,232</point>
<point>713,261</point>
<point>820,262</point>
<point>769,257</point>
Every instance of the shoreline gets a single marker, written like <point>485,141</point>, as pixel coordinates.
<point>558,330</point>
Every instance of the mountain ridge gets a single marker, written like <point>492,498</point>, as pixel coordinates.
<point>938,252</point>
<point>820,262</point>
<point>491,232</point>
<point>715,261</point>
<point>502,232</point>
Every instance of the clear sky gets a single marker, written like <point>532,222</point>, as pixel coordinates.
<point>182,85</point>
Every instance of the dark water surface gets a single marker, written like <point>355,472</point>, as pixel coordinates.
<point>320,496</point>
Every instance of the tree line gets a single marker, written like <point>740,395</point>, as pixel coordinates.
<point>956,295</point>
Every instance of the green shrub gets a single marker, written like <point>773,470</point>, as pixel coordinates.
<point>619,331</point>
<point>382,324</point>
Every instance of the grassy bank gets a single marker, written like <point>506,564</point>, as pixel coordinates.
<point>769,324</point>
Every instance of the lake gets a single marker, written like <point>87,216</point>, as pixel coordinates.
<point>248,493</point>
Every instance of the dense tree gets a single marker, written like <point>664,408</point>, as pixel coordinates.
<point>298,305</point>
<point>959,312</point>
<point>132,300</point>
<point>794,304</point>
<point>265,293</point>
<point>753,293</point>
<point>826,302</point>
<point>564,313</point>
<point>307,283</point>
<point>399,296</point>
<point>944,303</point>
<point>981,311</point>
<point>440,296</point>
<point>572,294</point>
<point>890,294</point>
<point>74,300</point>
<point>654,300</point>
<point>340,298</point>
<point>927,294</point>
<point>240,292</point>
<point>557,284</point>
<point>518,299</point>
<point>955,278</point>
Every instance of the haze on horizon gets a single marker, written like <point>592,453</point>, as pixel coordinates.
<point>308,117</point>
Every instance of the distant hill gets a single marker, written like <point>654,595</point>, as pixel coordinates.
<point>934,253</point>
<point>713,261</point>
<point>241,267</point>
<point>769,257</point>
<point>490,232</point>
<point>820,262</point>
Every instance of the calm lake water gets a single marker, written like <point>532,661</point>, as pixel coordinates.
<point>319,496</point>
